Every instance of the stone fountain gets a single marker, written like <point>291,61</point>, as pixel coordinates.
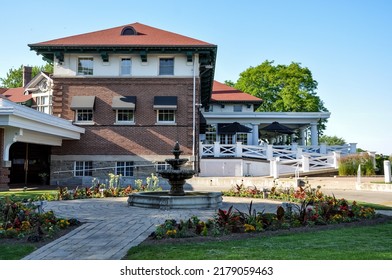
<point>176,197</point>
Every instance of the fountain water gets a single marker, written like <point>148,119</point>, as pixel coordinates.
<point>176,197</point>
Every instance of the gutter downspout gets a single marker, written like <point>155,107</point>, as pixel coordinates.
<point>194,114</point>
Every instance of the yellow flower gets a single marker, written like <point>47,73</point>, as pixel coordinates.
<point>171,232</point>
<point>249,228</point>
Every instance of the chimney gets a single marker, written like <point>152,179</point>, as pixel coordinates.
<point>27,75</point>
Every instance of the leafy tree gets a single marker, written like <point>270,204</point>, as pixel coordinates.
<point>14,77</point>
<point>229,83</point>
<point>331,140</point>
<point>283,88</point>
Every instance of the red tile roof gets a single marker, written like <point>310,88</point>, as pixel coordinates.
<point>225,93</point>
<point>17,95</point>
<point>146,36</point>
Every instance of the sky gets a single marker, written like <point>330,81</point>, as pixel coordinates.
<point>346,44</point>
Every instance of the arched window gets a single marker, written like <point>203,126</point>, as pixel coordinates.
<point>128,31</point>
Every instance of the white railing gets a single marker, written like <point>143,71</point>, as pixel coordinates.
<point>287,152</point>
<point>283,159</point>
<point>303,164</point>
<point>254,151</point>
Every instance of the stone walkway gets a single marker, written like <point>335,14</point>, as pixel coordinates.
<point>110,227</point>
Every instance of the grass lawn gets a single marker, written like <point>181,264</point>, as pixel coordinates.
<point>15,251</point>
<point>27,194</point>
<point>354,243</point>
<point>372,205</point>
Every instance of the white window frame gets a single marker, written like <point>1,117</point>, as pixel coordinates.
<point>130,66</point>
<point>159,66</point>
<point>161,166</point>
<point>40,106</point>
<point>166,122</point>
<point>226,139</point>
<point>125,122</point>
<point>77,121</point>
<point>82,73</point>
<point>122,170</point>
<point>81,166</point>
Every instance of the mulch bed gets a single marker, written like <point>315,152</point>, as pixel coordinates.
<point>240,236</point>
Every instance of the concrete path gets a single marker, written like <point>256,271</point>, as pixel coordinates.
<point>111,227</point>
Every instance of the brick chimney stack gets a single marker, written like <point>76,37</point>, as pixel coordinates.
<point>27,75</point>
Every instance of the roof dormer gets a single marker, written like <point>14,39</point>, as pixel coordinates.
<point>128,31</point>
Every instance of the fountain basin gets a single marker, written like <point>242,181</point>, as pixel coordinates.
<point>163,200</point>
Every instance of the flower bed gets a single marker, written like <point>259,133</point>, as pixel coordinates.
<point>112,188</point>
<point>304,207</point>
<point>23,220</point>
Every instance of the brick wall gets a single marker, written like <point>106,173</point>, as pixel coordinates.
<point>142,139</point>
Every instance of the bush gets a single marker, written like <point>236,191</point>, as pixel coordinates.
<point>349,165</point>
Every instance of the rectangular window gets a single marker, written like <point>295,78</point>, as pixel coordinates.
<point>124,168</point>
<point>125,67</point>
<point>85,66</point>
<point>84,115</point>
<point>210,134</point>
<point>226,139</point>
<point>166,116</point>
<point>83,168</point>
<point>43,104</point>
<point>161,166</point>
<point>125,116</point>
<point>166,66</point>
<point>237,108</point>
<point>242,137</point>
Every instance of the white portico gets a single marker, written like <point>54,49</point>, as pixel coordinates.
<point>19,123</point>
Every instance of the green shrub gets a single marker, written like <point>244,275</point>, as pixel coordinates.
<point>349,165</point>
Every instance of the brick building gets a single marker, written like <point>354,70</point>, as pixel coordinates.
<point>136,90</point>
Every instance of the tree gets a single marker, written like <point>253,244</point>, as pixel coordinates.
<point>14,77</point>
<point>332,140</point>
<point>283,88</point>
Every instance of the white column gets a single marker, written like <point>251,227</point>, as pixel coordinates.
<point>216,149</point>
<point>270,152</point>
<point>274,168</point>
<point>313,134</point>
<point>255,134</point>
<point>238,149</point>
<point>302,136</point>
<point>336,158</point>
<point>305,164</point>
<point>387,171</point>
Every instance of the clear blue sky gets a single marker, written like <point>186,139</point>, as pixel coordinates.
<point>346,44</point>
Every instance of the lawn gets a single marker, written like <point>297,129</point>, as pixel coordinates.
<point>28,194</point>
<point>15,251</point>
<point>353,243</point>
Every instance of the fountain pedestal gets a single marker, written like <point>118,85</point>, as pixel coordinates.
<point>176,198</point>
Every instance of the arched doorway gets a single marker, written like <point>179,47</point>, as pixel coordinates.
<point>29,161</point>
